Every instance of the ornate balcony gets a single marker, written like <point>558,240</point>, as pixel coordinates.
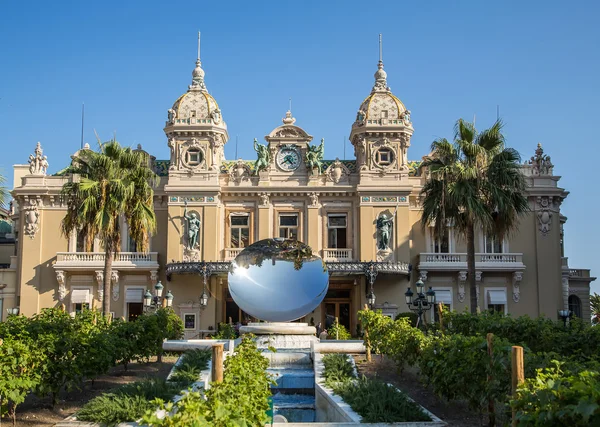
<point>483,262</point>
<point>74,261</point>
<point>337,254</point>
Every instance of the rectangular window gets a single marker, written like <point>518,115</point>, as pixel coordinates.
<point>131,245</point>
<point>80,299</point>
<point>189,320</point>
<point>134,302</point>
<point>288,226</point>
<point>493,245</point>
<point>81,242</point>
<point>496,300</point>
<point>440,244</point>
<point>240,231</point>
<point>336,230</point>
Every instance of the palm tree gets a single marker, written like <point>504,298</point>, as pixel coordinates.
<point>595,306</point>
<point>474,182</point>
<point>106,185</point>
<point>3,192</point>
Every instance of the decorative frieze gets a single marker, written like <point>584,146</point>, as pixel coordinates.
<point>384,199</point>
<point>32,215</point>
<point>191,199</point>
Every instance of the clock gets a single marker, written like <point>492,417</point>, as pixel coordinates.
<point>288,158</point>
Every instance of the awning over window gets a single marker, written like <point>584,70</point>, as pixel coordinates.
<point>79,296</point>
<point>134,295</point>
<point>497,297</point>
<point>443,295</point>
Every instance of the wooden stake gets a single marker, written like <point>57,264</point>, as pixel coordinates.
<point>440,314</point>
<point>337,329</point>
<point>62,307</point>
<point>367,342</point>
<point>518,374</point>
<point>491,408</point>
<point>217,362</point>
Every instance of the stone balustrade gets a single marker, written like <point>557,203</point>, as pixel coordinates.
<point>483,261</point>
<point>337,254</point>
<point>95,260</point>
<point>231,253</point>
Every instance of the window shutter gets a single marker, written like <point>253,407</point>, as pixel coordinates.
<point>134,295</point>
<point>79,296</point>
<point>497,297</point>
<point>443,295</point>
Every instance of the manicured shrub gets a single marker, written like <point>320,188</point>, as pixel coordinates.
<point>192,363</point>
<point>226,332</point>
<point>338,332</point>
<point>411,316</point>
<point>378,402</point>
<point>337,368</point>
<point>128,403</point>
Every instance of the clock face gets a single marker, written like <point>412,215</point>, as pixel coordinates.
<point>288,158</point>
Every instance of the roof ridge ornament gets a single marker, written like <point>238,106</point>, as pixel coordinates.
<point>288,119</point>
<point>198,73</point>
<point>380,75</point>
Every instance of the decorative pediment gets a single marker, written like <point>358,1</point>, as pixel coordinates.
<point>291,132</point>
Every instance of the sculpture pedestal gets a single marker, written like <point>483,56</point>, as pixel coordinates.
<point>282,335</point>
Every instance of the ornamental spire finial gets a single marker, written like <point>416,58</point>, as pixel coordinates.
<point>198,73</point>
<point>380,74</point>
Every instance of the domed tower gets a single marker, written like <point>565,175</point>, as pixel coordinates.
<point>196,130</point>
<point>382,130</point>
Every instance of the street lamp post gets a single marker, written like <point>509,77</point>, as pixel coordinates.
<point>564,315</point>
<point>423,301</point>
<point>13,311</point>
<point>204,297</point>
<point>154,302</point>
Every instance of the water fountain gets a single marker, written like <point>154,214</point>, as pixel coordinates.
<point>279,281</point>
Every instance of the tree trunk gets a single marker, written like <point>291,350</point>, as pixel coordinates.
<point>108,260</point>
<point>471,267</point>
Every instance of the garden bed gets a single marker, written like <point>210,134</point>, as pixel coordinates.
<point>331,407</point>
<point>38,412</point>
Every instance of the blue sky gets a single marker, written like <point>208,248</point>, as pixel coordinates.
<point>129,60</point>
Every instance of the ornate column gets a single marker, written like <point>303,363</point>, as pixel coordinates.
<point>462,278</point>
<point>115,285</point>
<point>100,281</point>
<point>62,290</point>
<point>516,283</point>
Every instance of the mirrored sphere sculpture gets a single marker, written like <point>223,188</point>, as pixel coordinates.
<point>278,280</point>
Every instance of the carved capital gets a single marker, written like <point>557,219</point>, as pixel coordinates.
<point>154,277</point>
<point>478,276</point>
<point>462,276</point>
<point>423,275</point>
<point>314,200</point>
<point>264,199</point>
<point>100,277</point>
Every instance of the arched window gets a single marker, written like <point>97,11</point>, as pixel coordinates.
<point>575,305</point>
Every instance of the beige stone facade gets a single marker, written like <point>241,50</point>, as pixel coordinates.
<point>334,209</point>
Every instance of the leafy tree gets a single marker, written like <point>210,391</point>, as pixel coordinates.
<point>474,181</point>
<point>595,306</point>
<point>105,185</point>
